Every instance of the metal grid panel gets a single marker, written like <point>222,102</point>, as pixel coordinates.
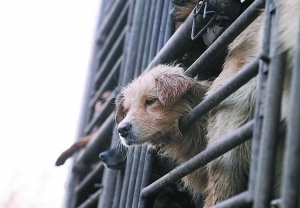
<point>146,43</point>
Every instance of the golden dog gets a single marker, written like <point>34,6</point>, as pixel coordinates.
<point>149,109</point>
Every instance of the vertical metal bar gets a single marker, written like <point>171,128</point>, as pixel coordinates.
<point>118,189</point>
<point>163,23</point>
<point>169,27</point>
<point>132,50</point>
<point>262,78</point>
<point>142,39</point>
<point>133,173</point>
<point>155,30</point>
<point>146,175</point>
<point>149,37</point>
<point>291,167</point>
<point>139,177</point>
<point>126,177</point>
<point>270,132</point>
<point>109,180</point>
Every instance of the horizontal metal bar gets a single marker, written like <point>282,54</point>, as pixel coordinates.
<point>240,200</point>
<point>90,178</point>
<point>113,34</point>
<point>96,144</point>
<point>212,100</point>
<point>212,152</point>
<point>91,201</point>
<point>243,21</point>
<point>104,113</point>
<point>109,20</point>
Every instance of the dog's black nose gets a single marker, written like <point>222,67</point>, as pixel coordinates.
<point>103,156</point>
<point>123,129</point>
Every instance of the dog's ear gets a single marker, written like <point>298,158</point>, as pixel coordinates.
<point>119,116</point>
<point>171,87</point>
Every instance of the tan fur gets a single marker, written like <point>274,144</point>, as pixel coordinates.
<point>153,105</point>
<point>228,173</point>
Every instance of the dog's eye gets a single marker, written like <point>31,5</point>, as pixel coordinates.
<point>150,101</point>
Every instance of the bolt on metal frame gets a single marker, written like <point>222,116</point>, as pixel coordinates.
<point>134,35</point>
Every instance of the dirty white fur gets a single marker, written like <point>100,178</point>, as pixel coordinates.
<point>228,174</point>
<point>153,104</point>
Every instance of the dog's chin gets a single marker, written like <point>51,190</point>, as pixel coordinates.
<point>132,141</point>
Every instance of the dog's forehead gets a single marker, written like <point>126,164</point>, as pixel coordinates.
<point>145,85</point>
<point>139,89</point>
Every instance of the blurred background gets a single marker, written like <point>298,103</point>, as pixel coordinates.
<point>45,49</point>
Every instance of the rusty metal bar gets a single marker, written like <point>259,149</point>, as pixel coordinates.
<point>291,167</point>
<point>212,152</point>
<point>212,100</point>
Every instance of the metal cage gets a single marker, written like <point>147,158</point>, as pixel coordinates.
<point>134,35</point>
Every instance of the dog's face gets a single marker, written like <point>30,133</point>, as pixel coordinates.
<point>149,107</point>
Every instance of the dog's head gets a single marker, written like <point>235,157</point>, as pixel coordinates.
<point>150,107</point>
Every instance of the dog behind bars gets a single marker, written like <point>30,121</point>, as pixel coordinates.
<point>149,109</point>
<point>228,174</point>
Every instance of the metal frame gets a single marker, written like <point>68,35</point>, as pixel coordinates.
<point>134,35</point>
